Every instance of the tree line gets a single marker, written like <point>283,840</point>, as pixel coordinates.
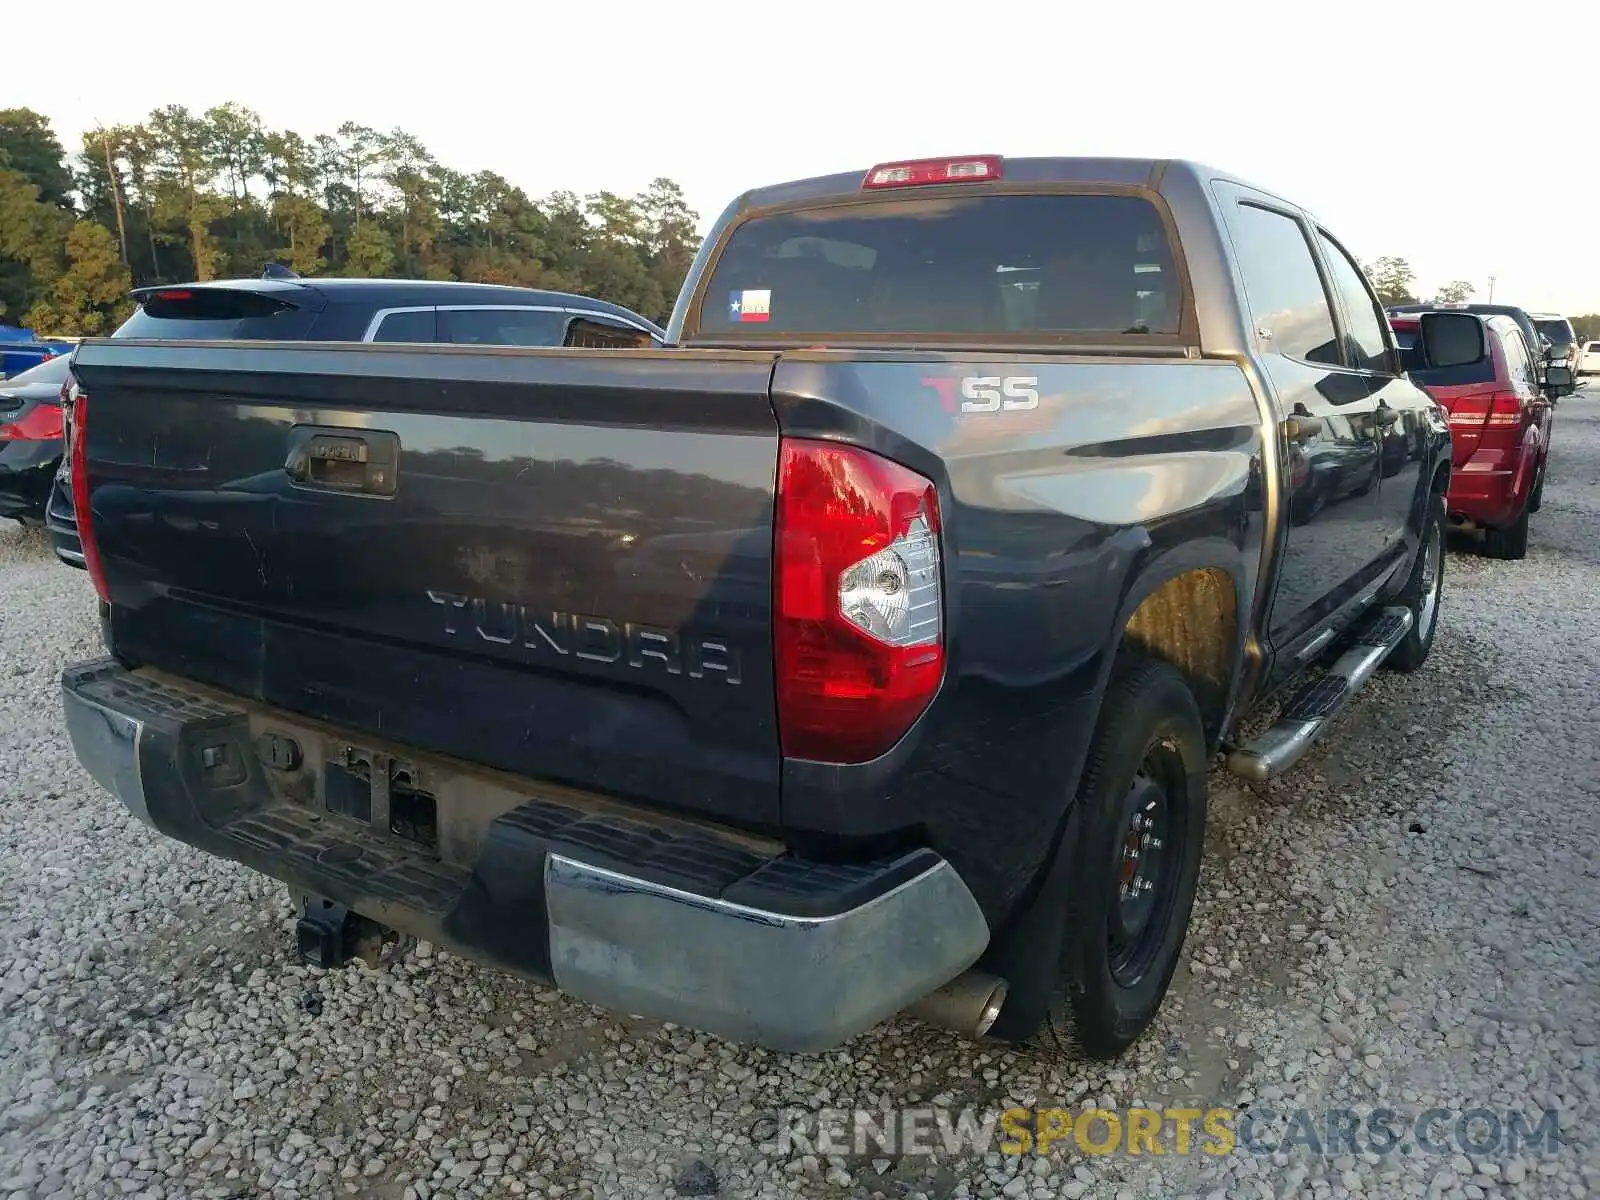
<point>1396,283</point>
<point>185,196</point>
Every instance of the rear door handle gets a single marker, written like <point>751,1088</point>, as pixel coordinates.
<point>1302,428</point>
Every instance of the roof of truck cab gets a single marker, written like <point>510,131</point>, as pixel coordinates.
<point>1132,172</point>
<point>391,292</point>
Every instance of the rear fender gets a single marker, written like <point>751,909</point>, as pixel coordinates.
<point>1213,554</point>
<point>1014,953</point>
<point>1533,451</point>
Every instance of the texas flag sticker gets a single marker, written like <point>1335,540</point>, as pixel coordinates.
<point>750,305</point>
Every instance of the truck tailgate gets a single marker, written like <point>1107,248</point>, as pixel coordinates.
<point>555,563</point>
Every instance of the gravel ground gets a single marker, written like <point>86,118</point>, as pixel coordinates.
<point>1411,919</point>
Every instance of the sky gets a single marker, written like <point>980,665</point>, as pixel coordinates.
<point>1445,134</point>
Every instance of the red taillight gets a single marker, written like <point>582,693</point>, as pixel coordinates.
<point>1505,408</point>
<point>1476,410</point>
<point>78,458</point>
<point>173,295</point>
<point>922,172</point>
<point>1468,412</point>
<point>858,622</point>
<point>42,424</point>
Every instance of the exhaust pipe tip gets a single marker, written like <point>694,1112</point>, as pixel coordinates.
<point>970,1004</point>
<point>991,1010</point>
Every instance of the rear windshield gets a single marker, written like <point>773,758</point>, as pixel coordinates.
<point>1559,332</point>
<point>989,264</point>
<point>211,314</point>
<point>1409,341</point>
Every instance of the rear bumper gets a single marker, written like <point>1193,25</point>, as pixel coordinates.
<point>641,916</point>
<point>27,470</point>
<point>1491,497</point>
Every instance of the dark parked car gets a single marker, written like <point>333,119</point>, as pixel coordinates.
<point>281,307</point>
<point>21,351</point>
<point>1564,345</point>
<point>865,649</point>
<point>30,439</point>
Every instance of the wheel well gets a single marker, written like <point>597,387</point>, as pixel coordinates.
<point>1191,621</point>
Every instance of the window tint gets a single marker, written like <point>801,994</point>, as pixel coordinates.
<point>1519,363</point>
<point>1559,332</point>
<point>407,327</point>
<point>502,326</point>
<point>1282,285</point>
<point>1363,318</point>
<point>1409,342</point>
<point>212,313</point>
<point>949,264</point>
<point>596,331</point>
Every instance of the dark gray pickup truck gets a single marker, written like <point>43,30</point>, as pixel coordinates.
<point>863,650</point>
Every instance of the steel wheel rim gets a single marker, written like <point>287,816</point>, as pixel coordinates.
<point>1146,862</point>
<point>1432,584</point>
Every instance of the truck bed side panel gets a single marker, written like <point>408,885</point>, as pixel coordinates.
<point>1054,513</point>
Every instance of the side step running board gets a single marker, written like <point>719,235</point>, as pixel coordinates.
<point>1306,717</point>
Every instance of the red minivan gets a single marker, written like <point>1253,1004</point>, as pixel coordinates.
<point>1499,426</point>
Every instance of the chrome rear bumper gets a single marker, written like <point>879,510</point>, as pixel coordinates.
<point>787,953</point>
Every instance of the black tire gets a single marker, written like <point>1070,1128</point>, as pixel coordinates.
<point>1510,543</point>
<point>1536,497</point>
<point>1147,762</point>
<point>1424,593</point>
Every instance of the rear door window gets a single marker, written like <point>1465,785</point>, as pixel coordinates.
<point>211,314</point>
<point>412,325</point>
<point>596,331</point>
<point>1519,362</point>
<point>1363,318</point>
<point>1283,286</point>
<point>954,265</point>
<point>502,326</point>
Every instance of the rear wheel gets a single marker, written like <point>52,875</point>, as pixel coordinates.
<point>1423,592</point>
<point>1137,838</point>
<point>1510,543</point>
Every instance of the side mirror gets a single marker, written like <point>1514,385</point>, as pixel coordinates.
<point>1558,380</point>
<point>1451,339</point>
